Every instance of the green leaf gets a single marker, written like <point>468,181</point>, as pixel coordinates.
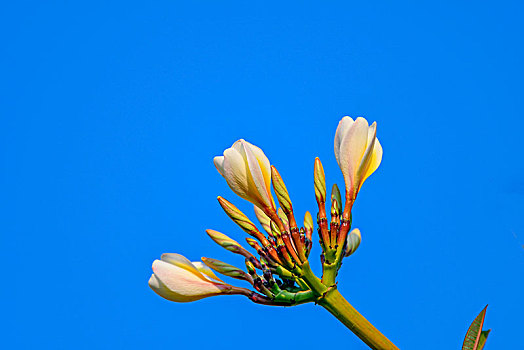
<point>474,333</point>
<point>483,338</point>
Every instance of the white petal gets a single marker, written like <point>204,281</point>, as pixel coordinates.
<point>235,172</point>
<point>342,129</point>
<point>161,289</point>
<point>352,149</point>
<point>219,164</point>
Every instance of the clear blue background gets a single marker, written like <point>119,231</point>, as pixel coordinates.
<point>112,114</point>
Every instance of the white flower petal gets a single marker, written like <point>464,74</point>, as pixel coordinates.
<point>342,129</point>
<point>352,149</point>
<point>235,172</point>
<point>219,164</point>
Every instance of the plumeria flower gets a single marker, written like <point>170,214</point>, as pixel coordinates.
<point>177,279</point>
<point>357,151</point>
<point>247,172</point>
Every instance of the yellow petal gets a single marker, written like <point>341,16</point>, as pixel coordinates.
<point>256,167</point>
<point>366,158</point>
<point>265,166</point>
<point>376,158</point>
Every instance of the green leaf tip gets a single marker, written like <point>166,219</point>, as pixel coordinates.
<point>476,338</point>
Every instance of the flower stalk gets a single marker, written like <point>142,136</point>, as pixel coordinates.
<point>339,307</point>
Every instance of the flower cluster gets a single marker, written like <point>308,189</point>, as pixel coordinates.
<point>280,274</point>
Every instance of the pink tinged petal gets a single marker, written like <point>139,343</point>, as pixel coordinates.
<point>178,284</point>
<point>343,126</point>
<point>376,158</point>
<point>255,170</point>
<point>159,288</point>
<point>219,164</point>
<point>352,149</point>
<point>206,271</point>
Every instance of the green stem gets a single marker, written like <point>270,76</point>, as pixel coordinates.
<point>339,307</point>
<point>311,280</point>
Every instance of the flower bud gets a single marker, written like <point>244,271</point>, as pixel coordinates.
<point>281,191</point>
<point>308,221</point>
<point>335,197</point>
<point>237,216</point>
<point>177,279</point>
<point>275,230</point>
<point>247,172</point>
<point>320,181</point>
<point>228,243</point>
<point>357,151</point>
<point>227,270</point>
<point>282,216</point>
<point>263,219</point>
<point>352,241</point>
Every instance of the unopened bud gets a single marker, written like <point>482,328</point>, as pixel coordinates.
<point>335,210</point>
<point>237,216</point>
<point>352,241</point>
<point>283,218</point>
<point>250,268</point>
<point>336,198</point>
<point>308,221</point>
<point>226,269</point>
<point>320,181</point>
<point>227,243</point>
<point>253,243</point>
<point>263,219</point>
<point>281,191</point>
<point>275,230</point>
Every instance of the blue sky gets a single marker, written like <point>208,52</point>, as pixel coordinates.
<point>112,114</point>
